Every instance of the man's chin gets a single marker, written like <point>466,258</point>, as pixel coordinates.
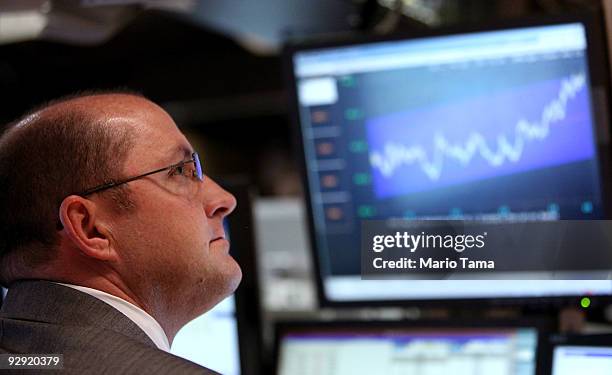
<point>227,285</point>
<point>230,276</point>
<point>233,278</point>
<point>220,276</point>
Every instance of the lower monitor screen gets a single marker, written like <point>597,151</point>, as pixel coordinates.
<point>404,351</point>
<point>570,360</point>
<point>496,124</point>
<point>211,340</point>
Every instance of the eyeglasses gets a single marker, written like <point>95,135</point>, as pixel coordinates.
<point>178,169</point>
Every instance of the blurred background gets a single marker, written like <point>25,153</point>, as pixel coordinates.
<point>217,67</point>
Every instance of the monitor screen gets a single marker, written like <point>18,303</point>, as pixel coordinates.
<point>458,351</point>
<point>489,124</point>
<point>592,360</point>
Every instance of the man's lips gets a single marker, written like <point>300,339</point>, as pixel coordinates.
<point>220,241</point>
<point>217,235</point>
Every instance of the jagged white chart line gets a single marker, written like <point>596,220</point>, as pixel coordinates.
<point>395,155</point>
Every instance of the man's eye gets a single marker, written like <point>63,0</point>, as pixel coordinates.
<point>178,170</point>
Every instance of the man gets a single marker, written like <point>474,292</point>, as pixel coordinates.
<point>111,238</point>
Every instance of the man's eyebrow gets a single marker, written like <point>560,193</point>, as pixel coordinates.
<point>182,151</point>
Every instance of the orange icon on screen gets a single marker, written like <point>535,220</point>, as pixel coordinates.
<point>334,213</point>
<point>329,181</point>
<point>325,148</point>
<point>319,117</point>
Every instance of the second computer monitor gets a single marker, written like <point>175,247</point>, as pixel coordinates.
<point>343,348</point>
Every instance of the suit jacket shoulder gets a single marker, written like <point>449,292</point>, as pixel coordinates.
<point>41,317</point>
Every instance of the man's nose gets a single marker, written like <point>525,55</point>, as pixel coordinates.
<point>217,201</point>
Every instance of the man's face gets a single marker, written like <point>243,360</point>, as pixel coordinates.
<point>172,246</point>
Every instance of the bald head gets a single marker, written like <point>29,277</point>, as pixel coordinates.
<point>102,110</point>
<point>61,148</point>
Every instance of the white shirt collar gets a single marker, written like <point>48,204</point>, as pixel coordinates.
<point>137,315</point>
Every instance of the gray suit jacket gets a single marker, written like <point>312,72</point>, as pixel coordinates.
<point>41,317</point>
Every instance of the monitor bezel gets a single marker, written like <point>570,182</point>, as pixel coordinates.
<point>542,324</point>
<point>598,73</point>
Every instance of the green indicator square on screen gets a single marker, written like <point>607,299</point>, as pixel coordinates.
<point>353,114</point>
<point>361,178</point>
<point>358,146</point>
<point>348,81</point>
<point>365,211</point>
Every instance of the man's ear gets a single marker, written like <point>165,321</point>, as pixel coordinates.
<point>84,227</point>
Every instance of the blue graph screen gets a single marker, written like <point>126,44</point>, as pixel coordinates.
<point>494,124</point>
<point>532,126</point>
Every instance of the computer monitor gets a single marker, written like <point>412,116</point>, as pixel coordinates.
<point>586,354</point>
<point>226,339</point>
<point>493,122</point>
<point>360,347</point>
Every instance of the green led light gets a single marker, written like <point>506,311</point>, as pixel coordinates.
<point>585,302</point>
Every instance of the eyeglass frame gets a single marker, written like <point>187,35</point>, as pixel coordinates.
<point>195,158</point>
